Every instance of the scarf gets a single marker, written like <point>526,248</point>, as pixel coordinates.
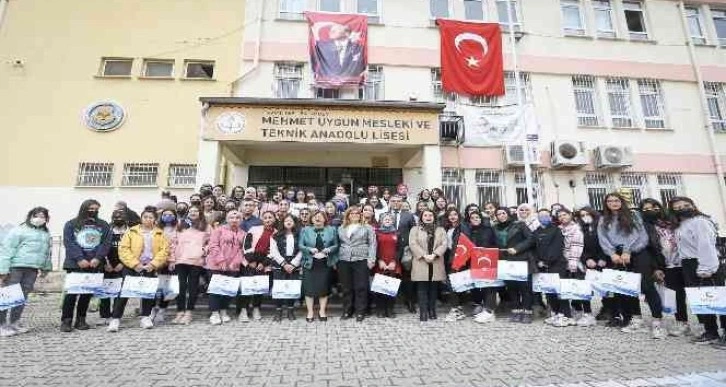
<point>574,243</point>
<point>263,245</point>
<point>387,229</point>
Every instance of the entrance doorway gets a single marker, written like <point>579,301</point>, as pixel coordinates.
<point>322,181</point>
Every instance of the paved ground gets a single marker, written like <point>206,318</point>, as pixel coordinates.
<point>389,352</point>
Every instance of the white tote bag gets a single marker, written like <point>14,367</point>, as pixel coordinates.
<point>223,285</point>
<point>547,283</point>
<point>461,281</point>
<point>286,289</point>
<point>168,286</point>
<point>384,284</point>
<point>111,288</point>
<point>11,296</point>
<point>594,277</point>
<point>139,287</point>
<point>83,283</point>
<point>512,270</point>
<point>621,282</point>
<point>668,299</point>
<point>707,300</point>
<point>572,289</point>
<point>254,285</point>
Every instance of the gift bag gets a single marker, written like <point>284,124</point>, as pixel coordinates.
<point>621,282</point>
<point>547,283</point>
<point>111,288</point>
<point>572,289</point>
<point>668,299</point>
<point>594,277</point>
<point>168,286</point>
<point>83,283</point>
<point>286,289</point>
<point>461,281</point>
<point>139,287</point>
<point>254,285</point>
<point>384,284</point>
<point>223,285</point>
<point>480,283</point>
<point>707,300</point>
<point>11,296</point>
<point>512,270</point>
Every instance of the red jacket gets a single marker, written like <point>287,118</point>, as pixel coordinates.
<point>387,250</point>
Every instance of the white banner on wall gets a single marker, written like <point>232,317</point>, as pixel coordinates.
<point>497,125</point>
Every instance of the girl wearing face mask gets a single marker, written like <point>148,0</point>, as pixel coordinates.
<point>113,267</point>
<point>24,252</point>
<point>87,240</point>
<point>257,251</point>
<point>623,237</point>
<point>167,222</point>
<point>225,257</point>
<point>428,247</point>
<point>387,261</point>
<point>593,257</point>
<point>143,250</point>
<point>482,234</point>
<point>188,250</point>
<point>573,252</point>
<point>517,241</point>
<point>550,245</point>
<point>696,243</point>
<point>287,257</point>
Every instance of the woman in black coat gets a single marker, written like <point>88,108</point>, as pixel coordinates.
<point>481,234</point>
<point>550,259</point>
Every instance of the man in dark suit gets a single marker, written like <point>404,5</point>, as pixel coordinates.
<point>340,57</point>
<point>404,222</point>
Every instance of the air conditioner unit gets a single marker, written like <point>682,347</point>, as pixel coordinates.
<point>610,156</point>
<point>568,154</point>
<point>514,155</point>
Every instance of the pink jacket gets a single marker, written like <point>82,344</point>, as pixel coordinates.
<point>225,249</point>
<point>189,247</point>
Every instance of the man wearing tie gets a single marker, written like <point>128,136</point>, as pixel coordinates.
<point>404,221</point>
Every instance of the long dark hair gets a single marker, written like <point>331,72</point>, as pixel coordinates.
<point>593,214</point>
<point>199,224</point>
<point>80,219</point>
<point>447,223</point>
<point>624,217</point>
<point>161,225</point>
<point>295,226</point>
<point>696,211</point>
<point>35,211</point>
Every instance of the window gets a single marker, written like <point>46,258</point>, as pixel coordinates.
<point>136,174</point>
<point>473,10</point>
<point>651,101</point>
<point>520,186</point>
<point>598,185</point>
<point>438,8</point>
<point>322,93</point>
<point>370,8</point>
<point>586,100</point>
<point>438,89</point>
<point>719,22</point>
<point>95,175</point>
<point>572,17</point>
<point>619,100</point>
<point>695,25</point>
<point>510,89</point>
<point>329,5</point>
<point>116,67</point>
<point>372,89</point>
<point>199,69</point>
<point>292,9</point>
<point>716,98</point>
<point>288,77</point>
<point>452,183</point>
<point>503,14</point>
<point>603,18</point>
<point>158,68</point>
<point>635,20</point>
<point>182,175</point>
<point>489,186</point>
<point>637,184</point>
<point>669,186</point>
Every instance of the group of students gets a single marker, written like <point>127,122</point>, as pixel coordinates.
<point>346,240</point>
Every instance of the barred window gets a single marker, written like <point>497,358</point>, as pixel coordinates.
<point>95,175</point>
<point>140,174</point>
<point>669,186</point>
<point>520,186</point>
<point>292,9</point>
<point>651,101</point>
<point>438,89</point>
<point>572,22</point>
<point>603,18</point>
<point>620,102</point>
<point>322,93</point>
<point>716,98</point>
<point>637,183</point>
<point>288,77</point>
<point>372,89</point>
<point>489,185</point>
<point>598,185</point>
<point>452,183</point>
<point>586,100</point>
<point>182,175</point>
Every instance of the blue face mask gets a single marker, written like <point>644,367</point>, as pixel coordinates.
<point>168,218</point>
<point>545,220</point>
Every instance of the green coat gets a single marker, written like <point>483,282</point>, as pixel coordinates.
<point>307,241</point>
<point>25,246</point>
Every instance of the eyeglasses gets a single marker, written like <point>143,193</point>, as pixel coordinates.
<point>613,201</point>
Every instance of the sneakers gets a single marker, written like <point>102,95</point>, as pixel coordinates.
<point>187,318</point>
<point>678,329</point>
<point>658,332</point>
<point>159,316</point>
<point>256,315</point>
<point>455,314</point>
<point>635,326</point>
<point>587,320</point>
<point>484,317</point>
<point>20,328</point>
<point>177,319</point>
<point>7,331</point>
<point>551,319</point>
<point>146,323</point>
<point>224,316</point>
<point>477,309</point>
<point>564,322</point>
<point>215,318</point>
<point>113,325</point>
<point>243,317</point>
<point>705,338</point>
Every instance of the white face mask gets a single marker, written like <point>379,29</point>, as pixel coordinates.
<point>587,219</point>
<point>37,221</point>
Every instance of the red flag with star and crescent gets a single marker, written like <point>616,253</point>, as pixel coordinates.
<point>471,58</point>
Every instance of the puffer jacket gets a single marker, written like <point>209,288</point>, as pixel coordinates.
<point>25,246</point>
<point>132,246</point>
<point>188,247</point>
<point>225,249</point>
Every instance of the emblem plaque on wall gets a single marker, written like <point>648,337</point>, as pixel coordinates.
<point>104,116</point>
<point>230,122</point>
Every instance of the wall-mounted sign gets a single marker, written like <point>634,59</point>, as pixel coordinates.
<point>104,116</point>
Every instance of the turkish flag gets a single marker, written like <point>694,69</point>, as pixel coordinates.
<point>462,253</point>
<point>471,58</point>
<point>484,263</point>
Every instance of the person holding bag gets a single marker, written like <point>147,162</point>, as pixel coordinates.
<point>256,249</point>
<point>428,246</point>
<point>387,240</point>
<point>225,258</point>
<point>286,255</point>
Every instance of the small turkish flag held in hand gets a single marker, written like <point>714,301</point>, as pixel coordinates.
<point>464,247</point>
<point>484,263</point>
<point>471,58</point>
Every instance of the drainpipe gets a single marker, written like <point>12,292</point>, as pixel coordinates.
<point>704,109</point>
<point>256,60</point>
<point>3,10</point>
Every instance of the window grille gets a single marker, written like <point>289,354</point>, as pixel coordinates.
<point>140,174</point>
<point>95,175</point>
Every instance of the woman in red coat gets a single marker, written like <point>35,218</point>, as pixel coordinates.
<point>387,262</point>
